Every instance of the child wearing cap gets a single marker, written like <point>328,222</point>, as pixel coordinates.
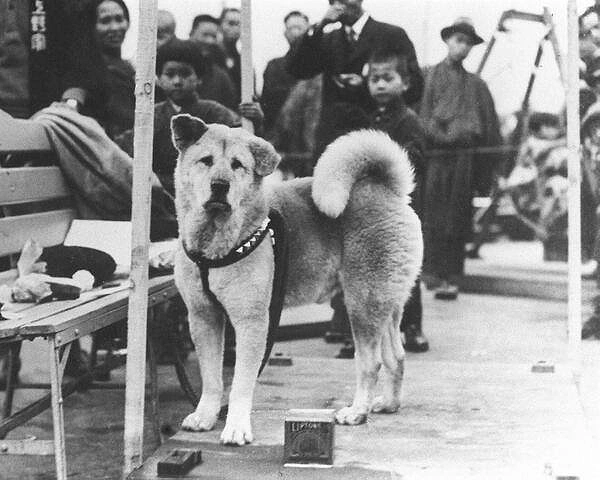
<point>458,114</point>
<point>179,68</point>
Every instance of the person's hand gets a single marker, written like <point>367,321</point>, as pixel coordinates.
<point>333,13</point>
<point>502,184</point>
<point>252,111</point>
<point>351,79</point>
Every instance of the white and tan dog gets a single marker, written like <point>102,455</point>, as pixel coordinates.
<point>350,227</point>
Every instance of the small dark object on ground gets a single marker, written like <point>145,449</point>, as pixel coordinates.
<point>179,462</point>
<point>347,351</point>
<point>542,367</point>
<point>280,360</point>
<point>446,291</point>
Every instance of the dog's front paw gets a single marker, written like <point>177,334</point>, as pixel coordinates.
<point>382,405</point>
<point>237,432</point>
<point>199,421</point>
<point>350,416</point>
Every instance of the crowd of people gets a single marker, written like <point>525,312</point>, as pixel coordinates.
<point>345,72</point>
<point>589,112</point>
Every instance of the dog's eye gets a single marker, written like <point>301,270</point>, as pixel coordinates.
<point>208,160</point>
<point>235,164</point>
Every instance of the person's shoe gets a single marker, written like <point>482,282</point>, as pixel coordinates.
<point>347,351</point>
<point>415,341</point>
<point>591,327</point>
<point>446,291</point>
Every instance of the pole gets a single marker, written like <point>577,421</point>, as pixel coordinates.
<point>574,192</point>
<point>555,46</point>
<point>140,218</point>
<point>246,60</point>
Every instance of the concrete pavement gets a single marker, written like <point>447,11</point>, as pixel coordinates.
<point>471,404</point>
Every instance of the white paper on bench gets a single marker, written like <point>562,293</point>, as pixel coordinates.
<point>108,236</point>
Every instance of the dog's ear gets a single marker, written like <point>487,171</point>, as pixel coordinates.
<point>265,156</point>
<point>186,130</point>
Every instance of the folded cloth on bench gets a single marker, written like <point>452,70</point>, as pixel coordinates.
<point>99,173</point>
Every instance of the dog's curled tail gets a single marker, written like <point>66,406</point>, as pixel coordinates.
<point>359,154</point>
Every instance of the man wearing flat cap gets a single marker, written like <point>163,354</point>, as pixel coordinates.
<point>458,114</point>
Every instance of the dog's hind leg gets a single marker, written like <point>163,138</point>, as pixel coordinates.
<point>367,329</point>
<point>393,367</point>
<point>207,326</point>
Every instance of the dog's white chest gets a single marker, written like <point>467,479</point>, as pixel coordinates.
<point>248,281</point>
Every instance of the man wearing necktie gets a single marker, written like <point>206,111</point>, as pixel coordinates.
<point>339,47</point>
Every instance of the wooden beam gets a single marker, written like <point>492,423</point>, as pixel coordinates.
<point>246,60</point>
<point>141,199</point>
<point>574,169</point>
<point>31,184</point>
<point>47,228</point>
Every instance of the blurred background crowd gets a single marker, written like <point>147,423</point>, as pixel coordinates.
<point>475,93</point>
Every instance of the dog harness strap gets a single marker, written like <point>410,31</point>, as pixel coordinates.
<point>238,253</point>
<point>206,287</point>
<point>280,251</point>
<point>275,225</point>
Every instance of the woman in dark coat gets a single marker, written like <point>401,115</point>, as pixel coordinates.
<point>109,22</point>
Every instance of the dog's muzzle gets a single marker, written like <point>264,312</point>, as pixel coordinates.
<point>218,197</point>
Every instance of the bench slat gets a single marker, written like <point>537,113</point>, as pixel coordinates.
<point>34,312</point>
<point>22,136</point>
<point>95,308</point>
<point>47,228</point>
<point>54,317</point>
<point>31,184</point>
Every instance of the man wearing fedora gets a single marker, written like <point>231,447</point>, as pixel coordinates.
<point>458,115</point>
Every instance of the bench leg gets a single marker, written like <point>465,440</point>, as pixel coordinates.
<point>12,375</point>
<point>153,372</point>
<point>57,366</point>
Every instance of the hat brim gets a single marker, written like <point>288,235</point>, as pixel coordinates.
<point>448,31</point>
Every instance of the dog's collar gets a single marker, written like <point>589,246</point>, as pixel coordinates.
<point>241,251</point>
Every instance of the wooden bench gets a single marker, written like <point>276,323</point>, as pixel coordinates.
<point>58,322</point>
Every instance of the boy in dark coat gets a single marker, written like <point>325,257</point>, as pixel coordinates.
<point>387,81</point>
<point>341,56</point>
<point>179,67</point>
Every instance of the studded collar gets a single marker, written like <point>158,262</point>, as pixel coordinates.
<point>245,248</point>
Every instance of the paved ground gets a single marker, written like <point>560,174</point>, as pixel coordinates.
<point>504,335</point>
